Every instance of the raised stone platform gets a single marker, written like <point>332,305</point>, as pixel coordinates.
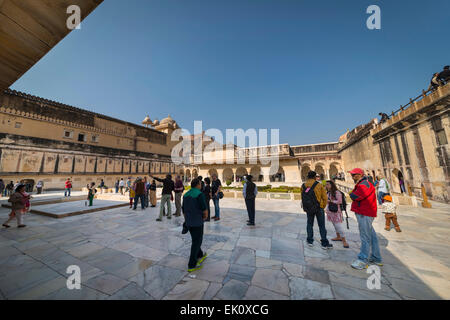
<point>64,209</point>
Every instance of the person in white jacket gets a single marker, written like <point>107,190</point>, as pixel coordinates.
<point>383,189</point>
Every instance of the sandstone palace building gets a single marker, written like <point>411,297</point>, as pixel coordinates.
<point>411,146</point>
<point>49,141</point>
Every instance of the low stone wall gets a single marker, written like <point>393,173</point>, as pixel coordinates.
<point>237,194</point>
<point>399,199</point>
<point>110,193</point>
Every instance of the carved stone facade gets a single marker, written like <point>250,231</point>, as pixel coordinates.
<point>48,141</point>
<point>412,145</point>
<point>275,165</point>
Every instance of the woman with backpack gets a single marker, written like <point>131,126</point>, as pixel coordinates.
<point>334,212</point>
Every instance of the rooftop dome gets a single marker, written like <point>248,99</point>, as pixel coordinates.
<point>167,120</point>
<point>147,120</point>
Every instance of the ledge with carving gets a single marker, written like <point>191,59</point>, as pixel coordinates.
<point>35,116</point>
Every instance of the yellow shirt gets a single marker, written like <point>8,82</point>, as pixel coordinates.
<point>319,190</point>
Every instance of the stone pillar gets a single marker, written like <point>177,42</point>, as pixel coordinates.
<point>220,174</point>
<point>266,174</point>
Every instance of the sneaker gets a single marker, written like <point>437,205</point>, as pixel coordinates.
<point>372,261</point>
<point>21,226</point>
<point>250,224</point>
<point>205,255</point>
<point>358,264</point>
<point>185,229</point>
<point>158,219</point>
<point>327,246</point>
<point>169,217</point>
<point>197,267</point>
<point>6,226</point>
<point>310,244</point>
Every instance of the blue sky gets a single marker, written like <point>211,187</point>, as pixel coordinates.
<point>309,68</point>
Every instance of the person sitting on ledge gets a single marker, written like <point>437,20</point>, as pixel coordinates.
<point>444,76</point>
<point>434,83</point>
<point>384,117</point>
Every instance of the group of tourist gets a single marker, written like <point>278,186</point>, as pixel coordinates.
<point>318,200</point>
<point>141,190</point>
<point>7,190</point>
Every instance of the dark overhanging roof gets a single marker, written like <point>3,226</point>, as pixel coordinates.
<point>29,29</point>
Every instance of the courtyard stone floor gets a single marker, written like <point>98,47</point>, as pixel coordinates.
<point>126,254</point>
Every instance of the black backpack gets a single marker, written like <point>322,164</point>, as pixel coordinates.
<point>309,200</point>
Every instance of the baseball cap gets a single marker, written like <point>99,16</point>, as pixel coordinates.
<point>357,171</point>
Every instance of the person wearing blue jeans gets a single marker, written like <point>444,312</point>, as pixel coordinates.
<point>139,188</point>
<point>215,189</point>
<point>314,202</point>
<point>216,208</point>
<point>136,199</point>
<point>320,216</point>
<point>383,189</point>
<point>381,195</point>
<point>369,240</point>
<point>364,205</point>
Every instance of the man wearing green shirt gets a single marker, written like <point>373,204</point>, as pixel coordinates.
<point>195,212</point>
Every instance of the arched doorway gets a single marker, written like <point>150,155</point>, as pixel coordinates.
<point>240,173</point>
<point>304,172</point>
<point>319,169</point>
<point>212,172</point>
<point>399,180</point>
<point>257,174</point>
<point>188,175</point>
<point>334,171</point>
<point>279,176</point>
<point>181,174</point>
<point>227,175</point>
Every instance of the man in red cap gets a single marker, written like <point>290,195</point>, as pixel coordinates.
<point>364,206</point>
